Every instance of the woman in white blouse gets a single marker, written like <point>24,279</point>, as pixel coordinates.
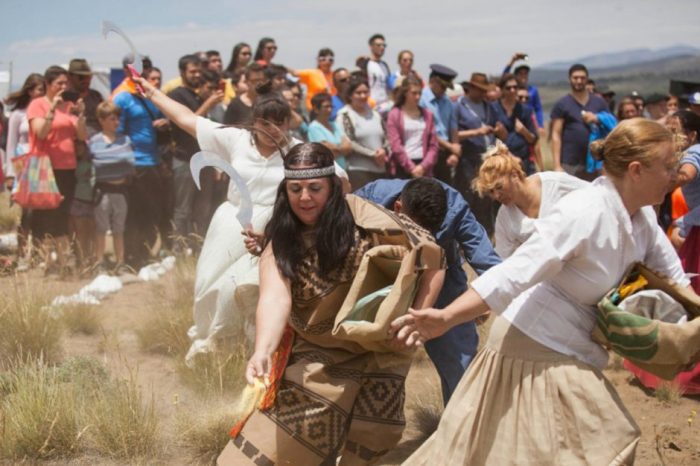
<point>523,199</point>
<point>535,395</point>
<point>226,283</point>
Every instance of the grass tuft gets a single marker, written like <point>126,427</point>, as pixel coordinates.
<point>41,414</point>
<point>204,431</point>
<point>668,392</point>
<point>124,425</point>
<point>166,332</point>
<point>9,216</point>
<point>28,331</point>
<point>81,318</point>
<point>215,373</point>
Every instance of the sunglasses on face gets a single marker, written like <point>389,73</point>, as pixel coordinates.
<point>327,58</point>
<point>343,80</point>
<point>271,47</point>
<point>380,44</point>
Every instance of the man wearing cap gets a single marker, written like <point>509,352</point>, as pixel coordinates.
<point>694,103</point>
<point>655,105</point>
<point>522,74</point>
<point>477,124</point>
<point>434,99</point>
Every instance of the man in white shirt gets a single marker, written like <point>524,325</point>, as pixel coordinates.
<point>377,70</point>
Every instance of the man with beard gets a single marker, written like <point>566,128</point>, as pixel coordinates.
<point>185,193</point>
<point>572,117</point>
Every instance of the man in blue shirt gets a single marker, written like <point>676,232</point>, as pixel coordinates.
<point>452,352</point>
<point>434,99</point>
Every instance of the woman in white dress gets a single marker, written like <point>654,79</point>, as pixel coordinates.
<point>226,283</point>
<point>535,394</point>
<point>523,198</point>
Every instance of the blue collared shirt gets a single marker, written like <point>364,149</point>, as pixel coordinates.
<point>459,230</point>
<point>443,111</point>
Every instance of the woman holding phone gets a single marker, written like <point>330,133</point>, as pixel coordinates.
<point>55,124</point>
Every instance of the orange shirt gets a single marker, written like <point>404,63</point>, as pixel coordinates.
<point>316,81</point>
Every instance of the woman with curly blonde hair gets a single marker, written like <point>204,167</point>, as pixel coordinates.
<point>523,199</point>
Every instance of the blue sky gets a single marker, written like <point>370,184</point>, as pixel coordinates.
<point>468,35</point>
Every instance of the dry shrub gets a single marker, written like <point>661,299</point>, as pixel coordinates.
<point>41,414</point>
<point>204,430</point>
<point>124,425</point>
<point>166,332</point>
<point>81,318</point>
<point>668,392</point>
<point>215,373</point>
<point>28,330</point>
<point>9,216</point>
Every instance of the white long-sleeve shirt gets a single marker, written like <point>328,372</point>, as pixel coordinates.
<point>17,139</point>
<point>550,286</point>
<point>513,227</point>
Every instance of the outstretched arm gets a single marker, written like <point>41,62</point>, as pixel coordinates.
<point>174,111</point>
<point>271,317</point>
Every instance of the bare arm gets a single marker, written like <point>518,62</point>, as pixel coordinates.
<point>42,126</point>
<point>271,316</point>
<point>182,116</point>
<point>429,288</point>
<point>686,174</point>
<point>557,128</point>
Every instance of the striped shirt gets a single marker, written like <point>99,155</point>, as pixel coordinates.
<point>112,161</point>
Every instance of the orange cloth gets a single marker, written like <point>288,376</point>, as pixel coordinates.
<point>127,85</point>
<point>678,206</point>
<point>316,81</point>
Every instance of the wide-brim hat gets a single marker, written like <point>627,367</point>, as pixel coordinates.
<point>478,80</point>
<point>80,67</point>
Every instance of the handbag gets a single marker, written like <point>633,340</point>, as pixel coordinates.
<point>36,186</point>
<point>639,335</point>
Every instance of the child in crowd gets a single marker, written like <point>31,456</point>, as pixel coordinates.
<point>113,159</point>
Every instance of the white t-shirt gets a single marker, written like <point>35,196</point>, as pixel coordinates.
<point>413,129</point>
<point>513,227</point>
<point>378,74</point>
<point>550,286</point>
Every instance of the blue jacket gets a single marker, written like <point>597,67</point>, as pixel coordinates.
<point>459,230</point>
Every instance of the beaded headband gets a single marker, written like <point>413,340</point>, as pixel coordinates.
<point>308,173</point>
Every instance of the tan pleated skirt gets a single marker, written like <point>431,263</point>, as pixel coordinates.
<point>521,403</point>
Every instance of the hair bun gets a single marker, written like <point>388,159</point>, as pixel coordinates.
<point>498,149</point>
<point>597,149</point>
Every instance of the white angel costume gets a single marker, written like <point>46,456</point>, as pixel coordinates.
<point>226,282</point>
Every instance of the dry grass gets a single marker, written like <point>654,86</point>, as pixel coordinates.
<point>668,392</point>
<point>9,216</point>
<point>28,330</point>
<point>166,332</point>
<point>204,429</point>
<point>41,414</point>
<point>215,373</point>
<point>124,423</point>
<point>81,318</point>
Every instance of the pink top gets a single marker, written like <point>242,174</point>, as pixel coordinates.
<point>59,144</point>
<point>397,138</point>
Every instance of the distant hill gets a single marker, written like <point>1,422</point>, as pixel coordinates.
<point>677,67</point>
<point>625,57</point>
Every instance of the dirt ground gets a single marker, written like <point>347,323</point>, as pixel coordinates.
<point>667,436</point>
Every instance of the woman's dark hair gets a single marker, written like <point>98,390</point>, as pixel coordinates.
<point>147,72</point>
<point>261,46</point>
<point>424,200</point>
<point>355,82</point>
<point>334,230</point>
<point>319,99</point>
<point>689,121</point>
<point>20,99</point>
<point>271,105</point>
<point>402,90</point>
<point>505,78</point>
<point>52,73</point>
<point>233,64</point>
<point>325,51</point>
